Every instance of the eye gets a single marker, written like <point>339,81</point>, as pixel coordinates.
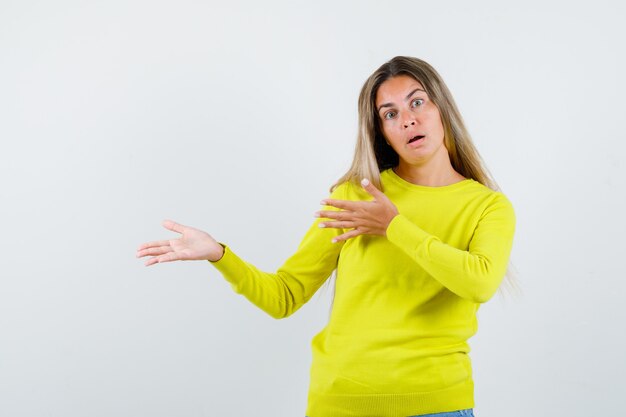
<point>389,115</point>
<point>413,103</point>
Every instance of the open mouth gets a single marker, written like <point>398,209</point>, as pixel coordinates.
<point>418,137</point>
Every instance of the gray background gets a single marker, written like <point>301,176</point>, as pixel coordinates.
<point>235,118</point>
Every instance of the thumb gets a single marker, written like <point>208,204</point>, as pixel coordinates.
<point>371,188</point>
<point>173,226</point>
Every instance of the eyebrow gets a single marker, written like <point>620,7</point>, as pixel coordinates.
<point>408,96</point>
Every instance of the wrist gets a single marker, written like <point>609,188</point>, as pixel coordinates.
<point>390,221</point>
<point>221,254</point>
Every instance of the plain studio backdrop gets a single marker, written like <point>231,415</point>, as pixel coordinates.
<point>236,118</point>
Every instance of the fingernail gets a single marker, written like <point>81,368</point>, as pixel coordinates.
<point>321,225</point>
<point>316,214</point>
<point>365,182</point>
<point>323,202</point>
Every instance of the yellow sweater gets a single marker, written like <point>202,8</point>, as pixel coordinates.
<point>405,304</point>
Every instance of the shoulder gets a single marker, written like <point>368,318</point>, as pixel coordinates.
<point>487,193</point>
<point>338,190</point>
<point>499,199</point>
<point>498,208</point>
<point>349,190</point>
<point>490,201</point>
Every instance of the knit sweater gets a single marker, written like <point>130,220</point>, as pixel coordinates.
<point>405,304</point>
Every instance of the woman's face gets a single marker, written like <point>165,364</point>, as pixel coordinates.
<point>405,112</point>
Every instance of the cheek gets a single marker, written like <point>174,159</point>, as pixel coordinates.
<point>435,120</point>
<point>390,130</point>
<point>384,129</point>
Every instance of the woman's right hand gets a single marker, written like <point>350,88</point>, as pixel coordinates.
<point>194,244</point>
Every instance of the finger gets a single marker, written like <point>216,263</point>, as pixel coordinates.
<point>168,257</point>
<point>154,244</point>
<point>346,236</point>
<point>173,226</point>
<point>336,214</point>
<point>338,225</point>
<point>154,251</point>
<point>344,204</point>
<point>371,188</point>
<point>151,261</point>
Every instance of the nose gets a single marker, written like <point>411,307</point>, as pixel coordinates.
<point>409,119</point>
<point>408,123</point>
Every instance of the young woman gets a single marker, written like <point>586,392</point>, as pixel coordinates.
<point>419,236</point>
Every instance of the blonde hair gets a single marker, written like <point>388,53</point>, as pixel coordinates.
<point>372,154</point>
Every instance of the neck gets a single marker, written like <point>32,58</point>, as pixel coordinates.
<point>436,173</point>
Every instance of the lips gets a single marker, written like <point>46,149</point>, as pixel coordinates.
<point>414,138</point>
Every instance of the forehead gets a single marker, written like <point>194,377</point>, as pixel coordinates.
<point>396,88</point>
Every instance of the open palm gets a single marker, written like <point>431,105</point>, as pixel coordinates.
<point>194,244</point>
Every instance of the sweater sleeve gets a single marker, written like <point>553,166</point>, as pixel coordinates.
<point>474,274</point>
<point>282,293</point>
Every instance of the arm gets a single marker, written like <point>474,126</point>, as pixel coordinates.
<point>474,274</point>
<point>282,293</point>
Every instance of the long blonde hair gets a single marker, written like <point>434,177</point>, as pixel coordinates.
<point>372,154</point>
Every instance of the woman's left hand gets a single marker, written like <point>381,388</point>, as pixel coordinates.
<point>365,217</point>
